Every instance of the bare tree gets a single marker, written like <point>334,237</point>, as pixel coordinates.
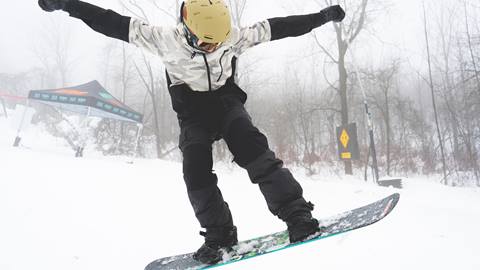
<point>470,47</point>
<point>384,79</point>
<point>53,53</point>
<point>152,78</point>
<point>346,33</point>
<point>237,8</point>
<point>439,134</point>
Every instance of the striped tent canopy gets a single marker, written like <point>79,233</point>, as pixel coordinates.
<point>89,99</point>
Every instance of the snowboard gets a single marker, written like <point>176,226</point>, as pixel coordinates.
<point>341,223</point>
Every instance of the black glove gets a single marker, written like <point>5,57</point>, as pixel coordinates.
<point>52,5</point>
<point>333,13</point>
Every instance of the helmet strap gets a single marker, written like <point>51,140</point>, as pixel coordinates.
<point>191,38</point>
<point>182,8</point>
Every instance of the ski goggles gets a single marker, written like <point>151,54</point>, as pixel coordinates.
<point>199,44</point>
<point>208,47</point>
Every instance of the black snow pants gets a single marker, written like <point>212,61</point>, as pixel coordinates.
<point>211,116</point>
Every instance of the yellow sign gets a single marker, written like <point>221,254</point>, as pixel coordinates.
<point>348,142</point>
<point>344,138</point>
<point>346,155</point>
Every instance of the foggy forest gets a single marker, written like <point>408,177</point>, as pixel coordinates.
<point>421,83</point>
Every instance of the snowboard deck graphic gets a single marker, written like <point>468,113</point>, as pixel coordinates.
<point>344,222</point>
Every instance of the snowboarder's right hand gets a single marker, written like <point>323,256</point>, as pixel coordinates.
<point>52,5</point>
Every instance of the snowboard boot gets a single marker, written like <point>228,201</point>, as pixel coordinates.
<point>300,228</point>
<point>216,239</point>
<point>301,224</point>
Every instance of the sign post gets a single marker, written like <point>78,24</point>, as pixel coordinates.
<point>348,142</point>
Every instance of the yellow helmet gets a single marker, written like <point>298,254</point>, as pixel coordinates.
<point>208,20</point>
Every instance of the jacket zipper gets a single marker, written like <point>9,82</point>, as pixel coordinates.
<point>208,73</point>
<point>221,66</point>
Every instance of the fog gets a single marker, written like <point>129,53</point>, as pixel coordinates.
<point>25,25</point>
<point>310,85</point>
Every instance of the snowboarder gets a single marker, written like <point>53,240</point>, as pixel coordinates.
<point>200,58</point>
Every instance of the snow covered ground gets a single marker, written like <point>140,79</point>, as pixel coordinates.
<point>59,212</point>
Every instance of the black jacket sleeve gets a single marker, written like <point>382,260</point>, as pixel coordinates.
<point>107,22</point>
<point>294,26</point>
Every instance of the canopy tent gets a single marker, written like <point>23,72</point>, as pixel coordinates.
<point>3,110</point>
<point>90,99</point>
<point>6,99</point>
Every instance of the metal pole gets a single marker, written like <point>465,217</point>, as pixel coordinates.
<point>83,135</point>
<point>369,119</point>
<point>18,138</point>
<point>372,148</point>
<point>4,107</point>
<point>137,139</point>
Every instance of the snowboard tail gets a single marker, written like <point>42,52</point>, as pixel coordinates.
<point>344,222</point>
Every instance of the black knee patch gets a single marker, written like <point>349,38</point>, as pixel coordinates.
<point>197,167</point>
<point>262,168</point>
<point>245,141</point>
<point>194,135</point>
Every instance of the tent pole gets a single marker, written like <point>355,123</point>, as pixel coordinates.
<point>137,139</point>
<point>4,107</point>
<point>74,128</point>
<point>83,135</point>
<point>18,138</point>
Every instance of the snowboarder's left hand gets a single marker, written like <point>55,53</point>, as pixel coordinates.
<point>52,5</point>
<point>334,13</point>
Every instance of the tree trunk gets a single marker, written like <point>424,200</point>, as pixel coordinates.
<point>440,139</point>
<point>388,130</point>
<point>470,48</point>
<point>343,77</point>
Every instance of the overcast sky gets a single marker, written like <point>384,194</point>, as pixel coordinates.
<point>23,22</point>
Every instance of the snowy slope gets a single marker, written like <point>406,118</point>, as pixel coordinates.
<point>59,212</point>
